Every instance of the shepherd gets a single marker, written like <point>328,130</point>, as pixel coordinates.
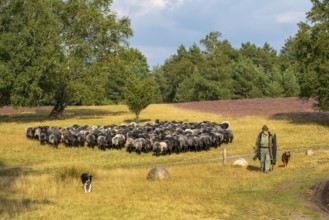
<point>266,147</point>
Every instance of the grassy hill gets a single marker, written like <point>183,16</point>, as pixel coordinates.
<point>40,182</point>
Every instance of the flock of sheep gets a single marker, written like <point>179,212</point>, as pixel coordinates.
<point>159,137</point>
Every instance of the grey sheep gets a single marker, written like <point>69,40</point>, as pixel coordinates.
<point>102,143</point>
<point>130,145</point>
<point>91,140</point>
<point>54,139</point>
<point>118,141</point>
<point>138,145</point>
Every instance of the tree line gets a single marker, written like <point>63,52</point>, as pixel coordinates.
<point>77,52</point>
<point>221,72</point>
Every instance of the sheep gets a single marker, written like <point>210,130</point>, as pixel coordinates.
<point>205,141</point>
<point>67,140</point>
<point>225,125</point>
<point>216,139</point>
<point>133,124</point>
<point>161,137</point>
<point>138,145</point>
<point>37,133</point>
<point>130,145</point>
<point>91,140</point>
<point>156,148</point>
<point>43,138</point>
<point>81,139</point>
<point>102,143</point>
<point>74,140</point>
<point>163,147</point>
<point>147,146</point>
<point>196,143</point>
<point>54,139</point>
<point>228,136</point>
<point>30,132</point>
<point>118,141</point>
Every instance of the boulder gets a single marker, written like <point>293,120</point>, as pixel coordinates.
<point>240,163</point>
<point>158,173</point>
<point>309,152</point>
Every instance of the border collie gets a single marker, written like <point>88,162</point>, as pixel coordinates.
<point>86,181</point>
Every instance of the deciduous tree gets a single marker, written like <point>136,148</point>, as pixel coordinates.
<point>57,51</point>
<point>312,51</point>
<point>138,93</point>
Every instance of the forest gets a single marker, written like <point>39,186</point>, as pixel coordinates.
<point>77,52</point>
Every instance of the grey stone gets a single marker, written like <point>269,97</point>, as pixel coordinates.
<point>158,173</point>
<point>240,163</point>
<point>309,152</point>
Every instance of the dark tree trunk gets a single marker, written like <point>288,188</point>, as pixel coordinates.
<point>57,110</point>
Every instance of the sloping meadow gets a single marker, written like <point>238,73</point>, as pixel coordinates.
<point>39,181</point>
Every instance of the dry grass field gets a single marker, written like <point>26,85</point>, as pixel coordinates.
<point>40,182</point>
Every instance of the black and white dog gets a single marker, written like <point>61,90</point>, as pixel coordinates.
<point>86,181</point>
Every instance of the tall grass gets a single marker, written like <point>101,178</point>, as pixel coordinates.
<point>40,182</point>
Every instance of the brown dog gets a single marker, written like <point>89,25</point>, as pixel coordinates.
<point>285,158</point>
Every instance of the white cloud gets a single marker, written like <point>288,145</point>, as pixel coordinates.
<point>137,8</point>
<point>291,17</point>
<point>160,26</point>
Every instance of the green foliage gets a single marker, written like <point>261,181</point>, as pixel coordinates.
<point>222,72</point>
<point>188,90</point>
<point>138,93</point>
<point>262,57</point>
<point>274,85</point>
<point>246,80</point>
<point>312,52</point>
<point>193,74</point>
<point>30,53</point>
<point>290,82</point>
<point>218,66</point>
<point>128,61</point>
<point>60,51</point>
<point>77,52</point>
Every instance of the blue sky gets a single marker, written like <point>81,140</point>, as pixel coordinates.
<point>161,26</point>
